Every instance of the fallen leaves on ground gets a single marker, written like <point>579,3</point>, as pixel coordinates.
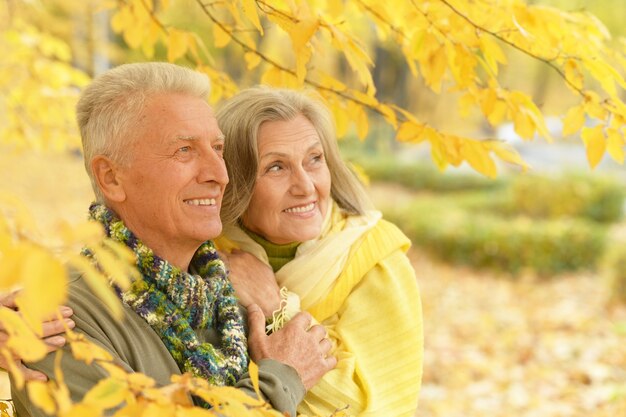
<point>498,347</point>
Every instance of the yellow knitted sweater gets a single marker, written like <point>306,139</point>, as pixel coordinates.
<point>373,315</point>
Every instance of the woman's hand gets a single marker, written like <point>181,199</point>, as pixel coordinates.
<point>254,282</point>
<point>52,335</point>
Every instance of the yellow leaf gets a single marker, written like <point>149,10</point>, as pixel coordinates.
<point>434,68</point>
<point>121,19</point>
<point>491,52</point>
<point>574,120</point>
<point>437,149</point>
<point>359,117</point>
<point>39,394</point>
<point>253,370</point>
<point>615,145</point>
<point>194,412</point>
<point>252,60</point>
<point>488,100</point>
<point>595,144</point>
<point>410,132</point>
<point>573,73</point>
<point>273,77</point>
<point>22,339</point>
<point>115,268</point>
<point>132,409</point>
<point>303,31</point>
<point>134,34</point>
<point>220,395</point>
<point>388,114</point>
<point>115,371</point>
<point>438,154</point>
<point>340,116</point>
<point>477,155</point>
<point>331,82</point>
<point>462,64</point>
<point>220,37</point>
<point>98,283</point>
<point>43,279</point>
<point>593,107</point>
<point>126,259</point>
<point>84,234</point>
<point>249,10</point>
<point>278,78</point>
<point>523,125</point>
<point>159,410</point>
<point>303,56</point>
<point>82,410</point>
<point>12,259</point>
<point>177,44</point>
<point>138,380</point>
<point>605,74</point>
<point>452,145</point>
<point>497,113</point>
<point>107,393</point>
<point>466,102</point>
<point>507,153</point>
<point>86,351</point>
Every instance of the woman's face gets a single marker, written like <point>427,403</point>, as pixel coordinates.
<point>292,191</point>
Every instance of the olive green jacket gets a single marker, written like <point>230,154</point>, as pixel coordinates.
<point>136,347</point>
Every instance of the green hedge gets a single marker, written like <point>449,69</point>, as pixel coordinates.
<point>423,177</point>
<point>511,245</point>
<point>598,199</point>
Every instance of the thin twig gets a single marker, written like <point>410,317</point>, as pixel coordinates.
<point>547,61</point>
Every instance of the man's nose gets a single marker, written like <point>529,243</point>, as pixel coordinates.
<point>213,168</point>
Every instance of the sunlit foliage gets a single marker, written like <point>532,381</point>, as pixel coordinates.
<point>454,45</point>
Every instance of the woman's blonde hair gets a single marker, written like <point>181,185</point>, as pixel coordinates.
<point>240,119</point>
<point>110,107</point>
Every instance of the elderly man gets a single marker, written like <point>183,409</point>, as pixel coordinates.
<point>153,151</point>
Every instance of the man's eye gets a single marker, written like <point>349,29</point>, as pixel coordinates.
<point>184,149</point>
<point>219,148</point>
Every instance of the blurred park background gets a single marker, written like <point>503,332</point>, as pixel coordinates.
<point>523,277</point>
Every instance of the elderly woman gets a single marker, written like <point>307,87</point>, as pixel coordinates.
<point>294,205</point>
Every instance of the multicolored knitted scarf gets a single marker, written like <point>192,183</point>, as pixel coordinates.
<point>176,304</point>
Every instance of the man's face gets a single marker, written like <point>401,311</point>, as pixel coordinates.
<point>176,176</point>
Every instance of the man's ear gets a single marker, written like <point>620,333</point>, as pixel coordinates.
<point>107,175</point>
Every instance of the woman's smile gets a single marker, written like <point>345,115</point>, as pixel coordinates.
<point>303,209</point>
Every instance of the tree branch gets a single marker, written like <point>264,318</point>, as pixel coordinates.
<point>547,61</point>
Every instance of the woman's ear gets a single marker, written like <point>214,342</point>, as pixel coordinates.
<point>107,175</point>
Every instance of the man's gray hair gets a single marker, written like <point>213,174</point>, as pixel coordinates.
<point>110,107</point>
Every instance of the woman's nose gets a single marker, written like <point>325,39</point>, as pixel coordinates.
<point>301,182</point>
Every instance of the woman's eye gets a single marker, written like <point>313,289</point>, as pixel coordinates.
<point>184,149</point>
<point>318,157</point>
<point>273,168</point>
<point>219,148</point>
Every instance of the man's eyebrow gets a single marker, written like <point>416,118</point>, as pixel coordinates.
<point>220,137</point>
<point>178,138</point>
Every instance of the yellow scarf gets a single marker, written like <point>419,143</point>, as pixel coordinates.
<point>319,262</point>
